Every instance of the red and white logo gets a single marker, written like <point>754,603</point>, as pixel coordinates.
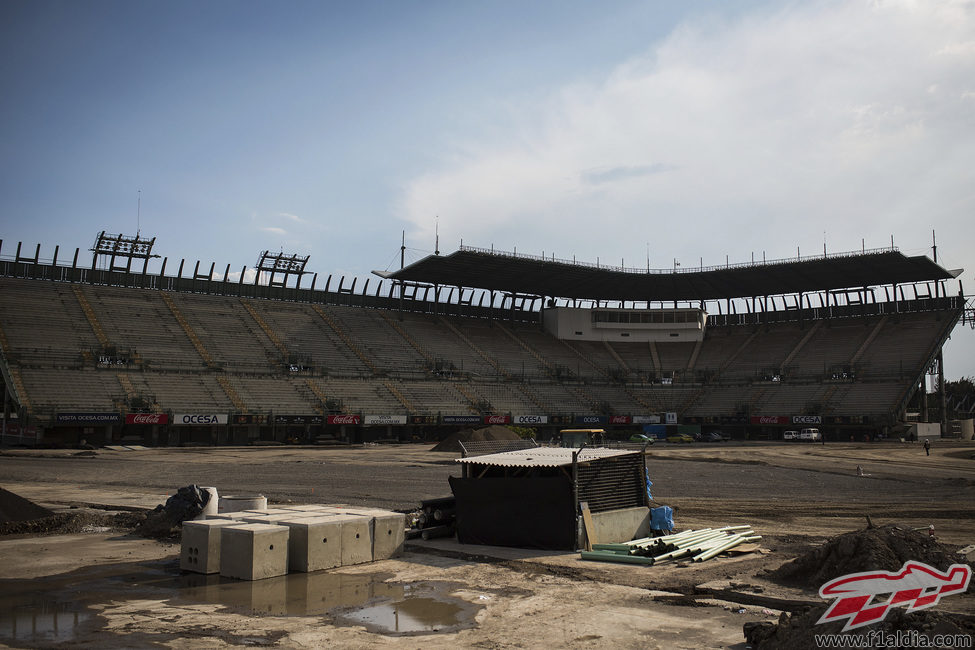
<point>496,419</point>
<point>147,418</point>
<point>344,419</point>
<point>916,586</point>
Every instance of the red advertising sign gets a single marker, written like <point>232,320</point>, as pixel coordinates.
<point>497,419</point>
<point>620,419</point>
<point>344,419</point>
<point>147,418</point>
<point>770,419</point>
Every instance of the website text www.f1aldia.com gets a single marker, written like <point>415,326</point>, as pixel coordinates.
<point>898,639</point>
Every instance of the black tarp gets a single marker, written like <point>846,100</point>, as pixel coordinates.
<point>520,512</point>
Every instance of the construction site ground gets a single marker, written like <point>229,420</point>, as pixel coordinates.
<point>103,586</point>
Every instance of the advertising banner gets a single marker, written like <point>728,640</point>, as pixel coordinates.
<point>671,418</point>
<point>770,419</point>
<point>344,419</point>
<point>295,419</point>
<point>560,419</point>
<point>89,418</point>
<point>591,419</point>
<point>197,419</point>
<point>806,419</point>
<point>620,419</point>
<point>147,418</point>
<point>461,419</point>
<point>423,419</point>
<point>385,419</point>
<point>530,419</point>
<point>497,419</point>
<point>241,418</point>
<point>646,419</point>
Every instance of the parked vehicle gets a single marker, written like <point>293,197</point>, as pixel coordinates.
<point>680,437</point>
<point>790,435</point>
<point>810,435</point>
<point>642,437</point>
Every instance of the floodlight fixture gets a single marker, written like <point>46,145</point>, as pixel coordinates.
<point>122,247</point>
<point>280,264</point>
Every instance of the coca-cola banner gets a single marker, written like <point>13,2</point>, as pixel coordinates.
<point>531,419</point>
<point>344,419</point>
<point>89,418</point>
<point>497,419</point>
<point>620,419</point>
<point>147,418</point>
<point>461,419</point>
<point>385,419</point>
<point>769,419</point>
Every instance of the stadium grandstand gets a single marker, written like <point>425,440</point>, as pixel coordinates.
<point>121,349</point>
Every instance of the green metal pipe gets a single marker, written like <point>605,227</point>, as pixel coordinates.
<point>598,556</point>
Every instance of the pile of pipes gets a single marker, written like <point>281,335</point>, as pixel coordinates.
<point>436,518</point>
<point>695,545</point>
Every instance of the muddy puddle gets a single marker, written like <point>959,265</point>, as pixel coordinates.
<point>57,609</point>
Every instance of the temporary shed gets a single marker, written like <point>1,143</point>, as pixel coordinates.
<point>530,498</point>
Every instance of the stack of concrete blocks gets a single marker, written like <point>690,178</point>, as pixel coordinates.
<point>267,543</point>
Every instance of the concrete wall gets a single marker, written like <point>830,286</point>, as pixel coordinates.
<point>614,526</point>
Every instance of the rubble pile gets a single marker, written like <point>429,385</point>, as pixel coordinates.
<point>166,521</point>
<point>494,432</point>
<point>881,548</point>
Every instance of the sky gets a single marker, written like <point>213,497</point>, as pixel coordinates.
<point>676,132</point>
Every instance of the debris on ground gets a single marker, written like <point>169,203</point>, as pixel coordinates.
<point>435,518</point>
<point>880,548</point>
<point>494,432</point>
<point>166,521</point>
<point>695,545</point>
<point>800,631</point>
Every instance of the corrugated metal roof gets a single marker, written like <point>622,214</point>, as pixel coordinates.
<point>544,457</point>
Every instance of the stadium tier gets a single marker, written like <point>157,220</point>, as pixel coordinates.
<point>111,355</point>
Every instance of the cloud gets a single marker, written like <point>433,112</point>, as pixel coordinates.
<point>611,174</point>
<point>290,217</point>
<point>727,138</point>
<point>274,230</point>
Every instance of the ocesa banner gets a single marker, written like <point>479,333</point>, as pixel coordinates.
<point>196,419</point>
<point>531,419</point>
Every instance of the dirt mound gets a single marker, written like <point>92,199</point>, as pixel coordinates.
<point>494,432</point>
<point>16,508</point>
<point>65,523</point>
<point>884,548</point>
<point>799,631</point>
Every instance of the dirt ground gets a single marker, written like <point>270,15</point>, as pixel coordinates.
<point>104,587</point>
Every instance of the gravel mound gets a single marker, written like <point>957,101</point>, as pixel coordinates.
<point>14,507</point>
<point>883,548</point>
<point>494,432</point>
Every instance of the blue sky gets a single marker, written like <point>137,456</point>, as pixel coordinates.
<point>692,130</point>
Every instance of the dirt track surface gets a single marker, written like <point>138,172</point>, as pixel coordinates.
<point>795,496</point>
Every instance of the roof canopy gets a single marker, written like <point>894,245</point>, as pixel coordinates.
<point>506,272</point>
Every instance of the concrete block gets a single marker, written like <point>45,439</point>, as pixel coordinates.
<point>314,543</point>
<point>267,511</point>
<point>314,507</point>
<point>254,551</point>
<point>236,516</point>
<point>388,530</point>
<point>275,518</point>
<point>200,550</point>
<point>356,538</point>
